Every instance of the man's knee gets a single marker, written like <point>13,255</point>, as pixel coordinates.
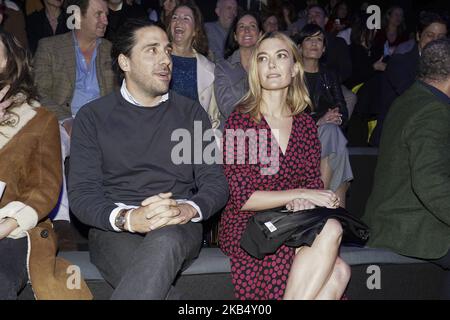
<point>179,239</point>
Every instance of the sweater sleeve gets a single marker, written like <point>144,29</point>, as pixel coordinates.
<point>85,188</point>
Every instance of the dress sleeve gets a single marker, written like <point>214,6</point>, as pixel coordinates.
<point>244,177</point>
<point>313,156</point>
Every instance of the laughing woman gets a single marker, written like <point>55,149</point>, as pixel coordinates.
<point>192,72</point>
<point>275,103</point>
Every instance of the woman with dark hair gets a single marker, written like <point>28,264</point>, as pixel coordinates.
<point>270,22</point>
<point>231,75</point>
<point>47,22</point>
<point>339,18</point>
<point>329,110</point>
<point>392,33</point>
<point>192,72</point>
<point>276,104</point>
<point>30,180</point>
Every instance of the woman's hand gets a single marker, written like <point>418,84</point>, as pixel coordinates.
<point>7,226</point>
<point>4,104</point>
<point>300,204</point>
<point>321,198</point>
<point>332,116</point>
<point>380,65</point>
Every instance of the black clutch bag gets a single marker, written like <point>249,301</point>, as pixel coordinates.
<point>267,230</point>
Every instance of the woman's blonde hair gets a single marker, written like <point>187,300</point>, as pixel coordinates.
<point>297,98</point>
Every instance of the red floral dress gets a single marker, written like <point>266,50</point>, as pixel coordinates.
<point>299,167</point>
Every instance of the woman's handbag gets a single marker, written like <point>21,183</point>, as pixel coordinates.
<point>267,230</point>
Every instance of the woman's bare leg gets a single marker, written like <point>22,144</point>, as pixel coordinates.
<point>313,266</point>
<point>337,283</point>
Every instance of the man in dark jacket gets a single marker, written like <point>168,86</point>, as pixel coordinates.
<point>409,208</point>
<point>401,70</point>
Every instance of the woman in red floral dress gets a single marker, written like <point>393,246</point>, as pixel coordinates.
<point>285,172</point>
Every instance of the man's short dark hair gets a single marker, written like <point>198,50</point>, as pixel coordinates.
<point>125,40</point>
<point>319,7</point>
<point>426,18</point>
<point>434,62</point>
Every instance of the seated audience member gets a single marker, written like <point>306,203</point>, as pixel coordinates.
<point>118,12</point>
<point>302,17</point>
<point>289,16</point>
<point>360,40</point>
<point>392,33</point>
<point>337,56</point>
<point>192,73</point>
<point>167,7</point>
<point>409,208</point>
<point>49,21</point>
<point>30,182</point>
<point>143,200</point>
<point>231,82</point>
<point>276,103</point>
<point>72,69</point>
<point>217,31</point>
<point>14,21</point>
<point>401,69</point>
<point>328,110</point>
<point>339,19</point>
<point>270,23</point>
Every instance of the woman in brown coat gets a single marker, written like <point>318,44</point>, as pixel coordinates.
<point>30,182</point>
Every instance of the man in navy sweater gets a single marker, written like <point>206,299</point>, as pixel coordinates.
<point>127,181</point>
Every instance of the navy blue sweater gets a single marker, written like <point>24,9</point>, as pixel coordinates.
<point>123,153</point>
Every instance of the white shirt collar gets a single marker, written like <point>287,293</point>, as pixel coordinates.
<point>127,96</point>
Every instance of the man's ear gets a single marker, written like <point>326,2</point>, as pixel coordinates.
<point>417,36</point>
<point>217,11</point>
<point>124,63</point>
<point>326,20</point>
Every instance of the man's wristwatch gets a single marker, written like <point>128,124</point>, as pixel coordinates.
<point>121,219</point>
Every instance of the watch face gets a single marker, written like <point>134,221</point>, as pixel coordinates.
<point>120,221</point>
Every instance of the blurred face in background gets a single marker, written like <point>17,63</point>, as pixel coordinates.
<point>342,11</point>
<point>270,24</point>
<point>396,17</point>
<point>247,32</point>
<point>169,5</point>
<point>226,11</point>
<point>434,31</point>
<point>317,16</point>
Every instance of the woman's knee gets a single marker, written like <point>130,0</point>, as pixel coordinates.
<point>332,230</point>
<point>330,237</point>
<point>342,272</point>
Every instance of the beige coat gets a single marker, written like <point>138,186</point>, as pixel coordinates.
<point>30,165</point>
